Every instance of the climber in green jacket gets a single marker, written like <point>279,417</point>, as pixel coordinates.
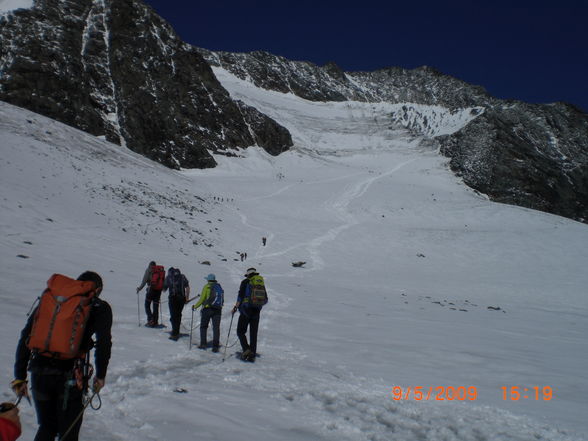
<point>211,300</point>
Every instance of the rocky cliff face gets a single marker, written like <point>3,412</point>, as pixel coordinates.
<point>534,156</point>
<point>115,68</point>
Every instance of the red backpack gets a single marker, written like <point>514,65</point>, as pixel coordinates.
<point>157,277</point>
<point>61,317</point>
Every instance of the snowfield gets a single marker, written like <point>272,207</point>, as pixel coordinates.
<point>411,279</point>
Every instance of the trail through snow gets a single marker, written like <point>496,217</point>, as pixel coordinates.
<point>402,263</point>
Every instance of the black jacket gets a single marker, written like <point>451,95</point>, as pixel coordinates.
<point>99,324</point>
<point>244,307</point>
<point>242,290</point>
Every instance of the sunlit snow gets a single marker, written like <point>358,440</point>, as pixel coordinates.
<point>411,279</point>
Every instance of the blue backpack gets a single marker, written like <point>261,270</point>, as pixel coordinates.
<point>216,298</point>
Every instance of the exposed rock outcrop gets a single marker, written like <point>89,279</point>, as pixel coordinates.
<point>115,68</point>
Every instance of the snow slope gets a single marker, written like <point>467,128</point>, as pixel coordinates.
<point>402,263</point>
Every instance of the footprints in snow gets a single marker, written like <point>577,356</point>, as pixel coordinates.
<point>454,305</point>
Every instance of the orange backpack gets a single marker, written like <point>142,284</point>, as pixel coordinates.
<point>61,317</point>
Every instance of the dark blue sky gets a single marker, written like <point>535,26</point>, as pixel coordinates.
<point>535,51</point>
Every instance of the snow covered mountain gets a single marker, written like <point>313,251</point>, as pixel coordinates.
<point>115,68</point>
<point>524,154</point>
<point>411,280</point>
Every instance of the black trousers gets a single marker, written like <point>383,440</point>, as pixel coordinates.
<point>152,296</point>
<point>57,405</point>
<point>205,317</point>
<point>176,306</point>
<point>250,319</point>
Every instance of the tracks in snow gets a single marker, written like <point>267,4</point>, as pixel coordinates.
<point>338,205</point>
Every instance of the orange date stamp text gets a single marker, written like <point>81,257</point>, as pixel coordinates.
<point>436,393</point>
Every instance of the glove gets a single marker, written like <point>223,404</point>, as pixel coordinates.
<point>234,310</point>
<point>194,308</point>
<point>20,388</point>
<point>98,384</point>
<point>138,289</point>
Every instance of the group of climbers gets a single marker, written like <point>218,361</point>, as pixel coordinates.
<point>252,296</point>
<point>71,319</point>
<point>178,288</point>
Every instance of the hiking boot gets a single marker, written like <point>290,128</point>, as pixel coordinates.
<point>174,337</point>
<point>215,349</point>
<point>149,324</point>
<point>247,355</point>
<point>203,347</point>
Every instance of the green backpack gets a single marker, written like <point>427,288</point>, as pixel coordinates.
<point>257,294</point>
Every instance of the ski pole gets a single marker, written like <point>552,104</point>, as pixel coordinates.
<point>227,343</point>
<point>160,313</point>
<point>191,326</point>
<point>138,309</point>
<point>193,298</point>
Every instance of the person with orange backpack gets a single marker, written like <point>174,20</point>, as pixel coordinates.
<point>154,278</point>
<point>55,345</point>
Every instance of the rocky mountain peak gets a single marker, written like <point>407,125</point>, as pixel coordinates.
<point>117,69</point>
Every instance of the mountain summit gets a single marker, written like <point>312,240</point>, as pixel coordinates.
<point>116,69</point>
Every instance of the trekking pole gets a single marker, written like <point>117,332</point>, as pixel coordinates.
<point>160,313</point>
<point>138,310</point>
<point>191,326</point>
<point>227,343</point>
<point>63,437</point>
